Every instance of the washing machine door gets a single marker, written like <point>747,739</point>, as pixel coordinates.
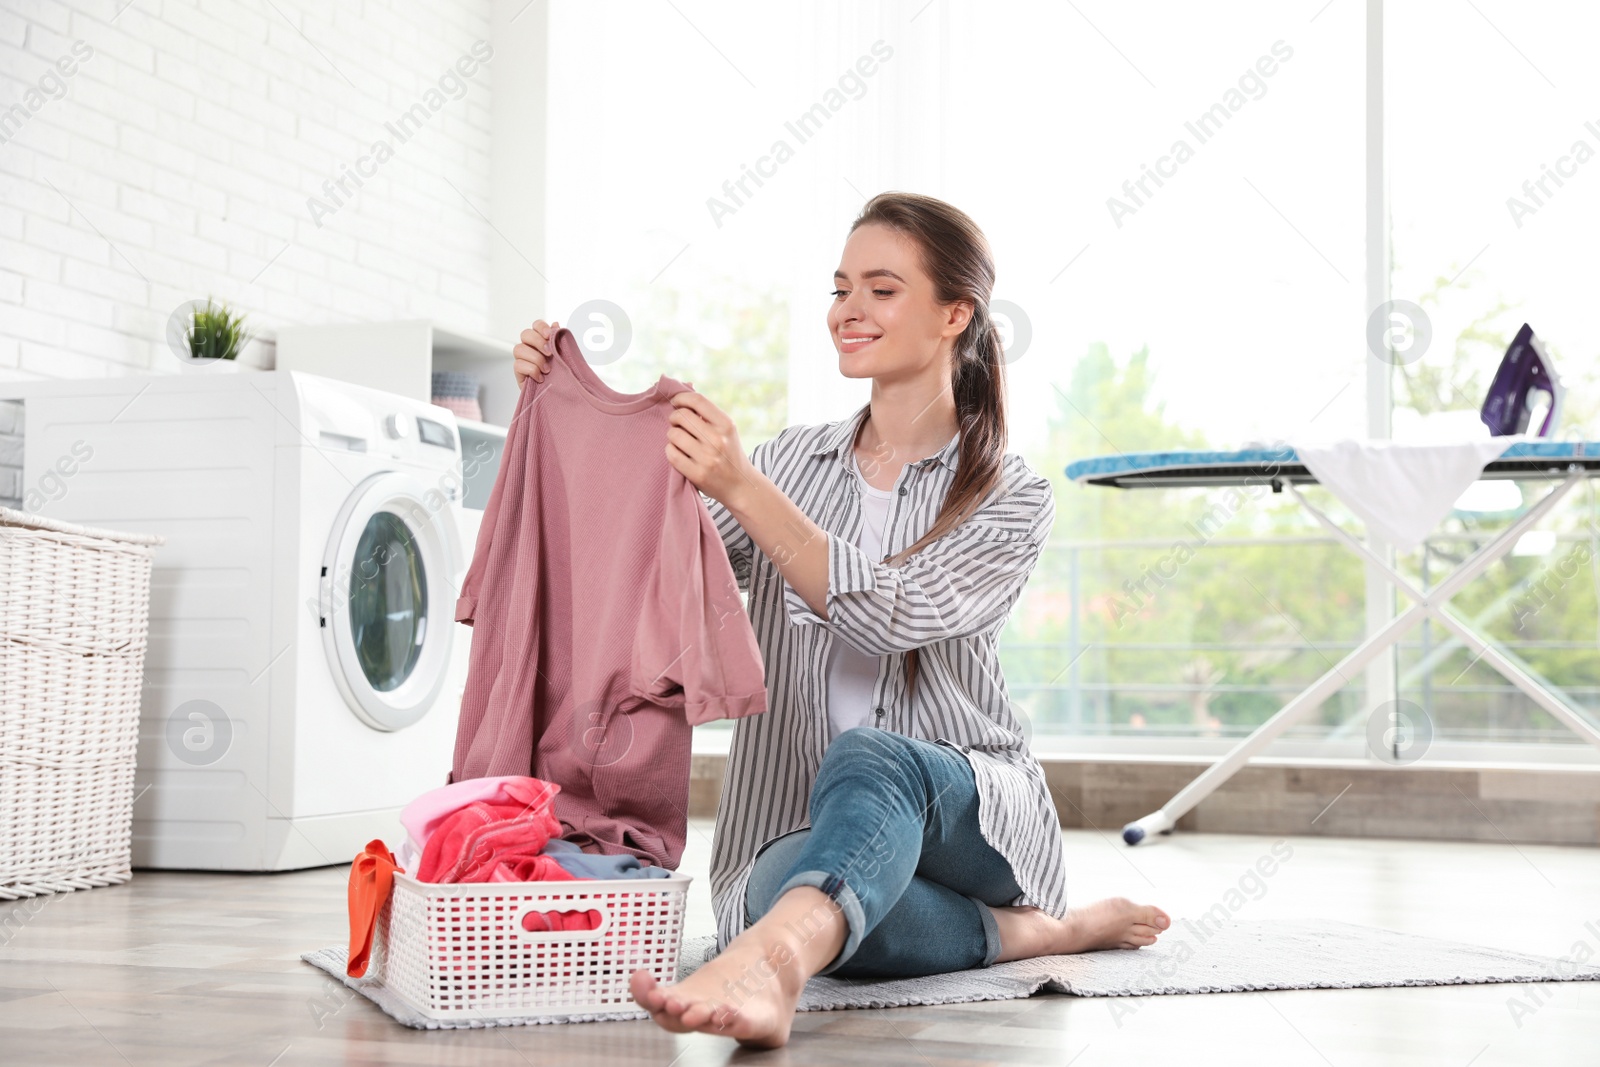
<point>388,602</point>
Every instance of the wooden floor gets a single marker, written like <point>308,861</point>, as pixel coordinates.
<point>189,969</point>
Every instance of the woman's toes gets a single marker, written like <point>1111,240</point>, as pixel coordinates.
<point>646,990</point>
<point>669,1022</point>
<point>699,1013</point>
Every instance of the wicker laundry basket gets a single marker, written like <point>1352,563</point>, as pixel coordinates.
<point>74,614</point>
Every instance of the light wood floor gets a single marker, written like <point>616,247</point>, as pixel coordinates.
<point>189,969</point>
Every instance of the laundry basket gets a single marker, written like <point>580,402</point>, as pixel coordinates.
<point>460,952</point>
<point>74,613</point>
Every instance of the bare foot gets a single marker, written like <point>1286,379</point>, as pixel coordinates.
<point>1115,922</point>
<point>749,991</point>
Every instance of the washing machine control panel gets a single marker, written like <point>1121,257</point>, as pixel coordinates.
<point>435,433</point>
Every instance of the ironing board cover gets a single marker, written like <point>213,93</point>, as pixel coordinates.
<point>1082,470</point>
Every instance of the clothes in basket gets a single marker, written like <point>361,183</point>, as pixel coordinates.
<point>581,864</point>
<point>428,812</point>
<point>495,839</point>
<point>488,830</point>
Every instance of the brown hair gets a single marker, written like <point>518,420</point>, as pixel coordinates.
<point>955,254</point>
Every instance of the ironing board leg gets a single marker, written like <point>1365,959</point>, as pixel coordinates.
<point>1335,678</point>
<point>1165,819</point>
<point>1537,692</point>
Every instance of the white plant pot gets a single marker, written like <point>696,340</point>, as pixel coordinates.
<point>210,366</point>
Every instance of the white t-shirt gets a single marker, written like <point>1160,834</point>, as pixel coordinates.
<point>851,675</point>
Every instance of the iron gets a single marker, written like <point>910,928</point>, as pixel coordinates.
<point>1525,373</point>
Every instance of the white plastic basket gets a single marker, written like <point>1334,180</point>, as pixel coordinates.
<point>460,952</point>
<point>74,616</point>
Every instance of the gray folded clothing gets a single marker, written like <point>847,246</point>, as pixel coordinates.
<point>581,864</point>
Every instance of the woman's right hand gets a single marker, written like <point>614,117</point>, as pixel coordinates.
<point>534,352</point>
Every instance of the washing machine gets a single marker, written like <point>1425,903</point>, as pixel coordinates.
<point>304,670</point>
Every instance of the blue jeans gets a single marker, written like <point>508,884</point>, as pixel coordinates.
<point>894,842</point>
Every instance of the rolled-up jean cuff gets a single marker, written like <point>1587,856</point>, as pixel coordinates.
<point>991,932</point>
<point>839,891</point>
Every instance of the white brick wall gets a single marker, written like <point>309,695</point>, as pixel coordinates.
<point>179,161</point>
<point>11,416</point>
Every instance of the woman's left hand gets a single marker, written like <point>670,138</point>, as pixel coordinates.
<point>703,445</point>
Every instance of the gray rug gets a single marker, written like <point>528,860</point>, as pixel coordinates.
<point>1237,957</point>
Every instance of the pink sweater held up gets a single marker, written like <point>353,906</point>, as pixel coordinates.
<point>606,618</point>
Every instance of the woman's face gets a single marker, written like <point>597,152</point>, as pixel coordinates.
<point>884,319</point>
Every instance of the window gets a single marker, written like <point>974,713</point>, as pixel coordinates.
<point>1176,199</point>
<point>1493,143</point>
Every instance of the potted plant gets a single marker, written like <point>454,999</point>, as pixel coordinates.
<point>215,335</point>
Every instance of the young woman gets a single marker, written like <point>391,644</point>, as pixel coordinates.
<point>885,816</point>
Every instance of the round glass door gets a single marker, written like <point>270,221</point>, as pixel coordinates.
<point>392,554</point>
<point>388,601</point>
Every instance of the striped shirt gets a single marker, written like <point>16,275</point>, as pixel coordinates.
<point>950,601</point>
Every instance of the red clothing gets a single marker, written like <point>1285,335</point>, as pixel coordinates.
<point>605,613</point>
<point>544,921</point>
<point>496,840</point>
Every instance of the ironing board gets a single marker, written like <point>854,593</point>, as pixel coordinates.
<point>1565,463</point>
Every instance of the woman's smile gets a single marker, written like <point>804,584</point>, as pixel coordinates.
<point>855,342</point>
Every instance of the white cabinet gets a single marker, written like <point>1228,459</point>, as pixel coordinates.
<point>400,357</point>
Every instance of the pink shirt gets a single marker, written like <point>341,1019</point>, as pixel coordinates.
<point>606,618</point>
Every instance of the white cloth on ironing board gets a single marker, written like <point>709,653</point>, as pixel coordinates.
<point>1400,491</point>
